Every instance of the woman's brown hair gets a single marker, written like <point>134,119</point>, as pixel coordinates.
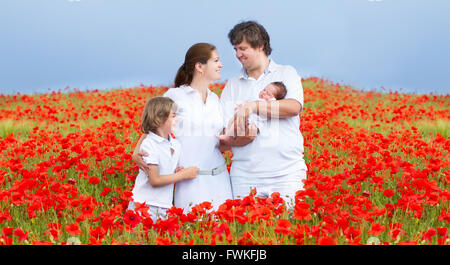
<point>197,53</point>
<point>156,112</point>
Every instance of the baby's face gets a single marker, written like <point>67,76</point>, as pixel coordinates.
<point>268,92</point>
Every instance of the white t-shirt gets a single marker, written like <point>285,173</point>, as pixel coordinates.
<point>279,150</point>
<point>197,127</point>
<point>159,153</point>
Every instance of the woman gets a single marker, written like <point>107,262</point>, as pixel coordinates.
<point>199,122</point>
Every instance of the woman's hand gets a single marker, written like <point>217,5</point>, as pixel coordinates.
<point>137,158</point>
<point>137,155</point>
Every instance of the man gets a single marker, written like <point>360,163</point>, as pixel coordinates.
<point>266,159</point>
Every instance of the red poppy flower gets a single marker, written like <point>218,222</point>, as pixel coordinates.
<point>301,211</point>
<point>442,231</point>
<point>431,232</point>
<point>73,229</point>
<point>105,191</point>
<point>327,241</point>
<point>376,229</point>
<point>388,193</point>
<point>97,233</point>
<point>7,231</point>
<point>283,226</point>
<point>21,234</point>
<point>94,180</point>
<point>131,218</point>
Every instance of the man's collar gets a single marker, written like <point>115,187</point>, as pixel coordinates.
<point>270,68</point>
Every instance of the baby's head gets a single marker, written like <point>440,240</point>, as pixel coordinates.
<point>275,90</point>
<point>159,112</point>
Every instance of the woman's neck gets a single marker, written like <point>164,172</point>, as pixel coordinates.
<point>201,85</point>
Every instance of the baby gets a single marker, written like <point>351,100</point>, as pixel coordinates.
<point>273,91</point>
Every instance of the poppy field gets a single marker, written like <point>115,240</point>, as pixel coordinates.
<point>378,173</point>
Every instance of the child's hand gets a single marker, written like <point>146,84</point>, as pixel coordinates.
<point>178,169</point>
<point>191,172</point>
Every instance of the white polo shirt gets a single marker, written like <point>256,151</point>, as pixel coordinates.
<point>198,125</point>
<point>278,149</point>
<point>159,153</point>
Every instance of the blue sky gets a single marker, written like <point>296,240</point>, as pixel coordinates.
<point>89,44</point>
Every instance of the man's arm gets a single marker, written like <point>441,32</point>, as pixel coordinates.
<point>279,109</point>
<point>251,131</point>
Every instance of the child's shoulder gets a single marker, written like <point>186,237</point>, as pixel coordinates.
<point>148,141</point>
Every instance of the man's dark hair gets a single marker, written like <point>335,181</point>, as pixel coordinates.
<point>254,33</point>
<point>282,91</point>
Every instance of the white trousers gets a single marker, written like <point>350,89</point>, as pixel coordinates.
<point>154,211</point>
<point>286,185</point>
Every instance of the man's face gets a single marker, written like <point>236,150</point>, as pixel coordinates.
<point>247,55</point>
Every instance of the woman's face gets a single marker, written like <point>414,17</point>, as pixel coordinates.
<point>212,67</point>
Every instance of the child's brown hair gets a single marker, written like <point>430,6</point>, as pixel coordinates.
<point>156,112</point>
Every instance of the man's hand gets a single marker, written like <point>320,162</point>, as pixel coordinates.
<point>226,142</point>
<point>240,118</point>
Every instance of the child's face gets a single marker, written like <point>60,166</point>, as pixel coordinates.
<point>268,92</point>
<point>171,123</point>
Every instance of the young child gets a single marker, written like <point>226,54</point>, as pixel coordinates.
<point>155,185</point>
<point>273,91</point>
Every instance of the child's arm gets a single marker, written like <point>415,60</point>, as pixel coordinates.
<point>157,180</point>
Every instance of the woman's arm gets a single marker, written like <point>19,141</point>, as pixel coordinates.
<point>157,180</point>
<point>137,154</point>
